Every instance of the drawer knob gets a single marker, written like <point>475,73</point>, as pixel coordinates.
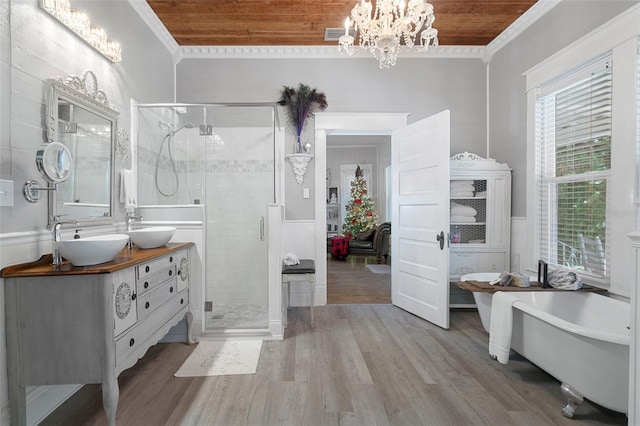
<point>170,272</point>
<point>146,305</point>
<point>181,301</point>
<point>146,284</point>
<point>147,269</point>
<point>133,296</point>
<point>132,342</point>
<point>170,289</point>
<point>170,259</point>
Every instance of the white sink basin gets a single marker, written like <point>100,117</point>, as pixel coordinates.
<point>155,236</point>
<point>92,250</point>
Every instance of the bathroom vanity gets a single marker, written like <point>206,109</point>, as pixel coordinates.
<point>77,325</point>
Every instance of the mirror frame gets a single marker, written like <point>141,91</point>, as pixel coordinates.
<point>82,91</point>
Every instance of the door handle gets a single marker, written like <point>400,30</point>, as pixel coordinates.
<point>440,238</point>
<point>261,228</point>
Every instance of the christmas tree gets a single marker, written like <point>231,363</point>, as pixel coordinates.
<point>361,213</point>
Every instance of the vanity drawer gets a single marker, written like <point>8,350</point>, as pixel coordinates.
<point>152,300</point>
<point>149,282</point>
<point>155,266</point>
<point>136,340</point>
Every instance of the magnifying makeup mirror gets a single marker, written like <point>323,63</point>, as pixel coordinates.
<point>54,162</point>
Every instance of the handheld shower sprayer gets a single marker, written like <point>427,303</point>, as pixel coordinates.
<point>170,127</point>
<point>171,131</point>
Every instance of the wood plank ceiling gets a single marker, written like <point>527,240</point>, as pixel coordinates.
<point>303,22</point>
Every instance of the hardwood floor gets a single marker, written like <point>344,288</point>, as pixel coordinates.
<point>361,365</point>
<point>349,281</point>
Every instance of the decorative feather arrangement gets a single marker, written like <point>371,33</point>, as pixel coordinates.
<point>300,104</point>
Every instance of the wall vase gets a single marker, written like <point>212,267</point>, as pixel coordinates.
<point>298,145</point>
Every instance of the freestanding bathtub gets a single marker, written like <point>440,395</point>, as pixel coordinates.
<point>580,338</point>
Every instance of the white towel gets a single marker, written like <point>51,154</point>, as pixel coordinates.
<point>501,325</point>
<point>290,259</point>
<point>128,189</point>
<point>461,194</point>
<point>462,219</point>
<point>481,194</point>
<point>460,210</point>
<point>461,183</point>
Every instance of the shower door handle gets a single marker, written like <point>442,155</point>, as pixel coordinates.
<point>261,228</point>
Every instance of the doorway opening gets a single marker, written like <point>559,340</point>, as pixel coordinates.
<point>358,278</point>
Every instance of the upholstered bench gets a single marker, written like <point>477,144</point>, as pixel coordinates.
<point>304,271</point>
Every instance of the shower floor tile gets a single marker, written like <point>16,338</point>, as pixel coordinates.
<point>237,317</point>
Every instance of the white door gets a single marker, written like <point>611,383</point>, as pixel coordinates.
<point>419,237</point>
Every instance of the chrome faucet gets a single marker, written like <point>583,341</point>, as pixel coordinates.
<point>56,226</point>
<point>131,217</point>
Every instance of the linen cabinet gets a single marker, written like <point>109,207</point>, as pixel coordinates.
<point>480,215</point>
<point>78,325</point>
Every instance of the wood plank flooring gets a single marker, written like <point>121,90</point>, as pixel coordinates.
<point>349,281</point>
<point>367,364</point>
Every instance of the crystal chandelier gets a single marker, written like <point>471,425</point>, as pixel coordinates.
<point>390,24</point>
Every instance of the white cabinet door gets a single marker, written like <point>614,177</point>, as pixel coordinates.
<point>420,184</point>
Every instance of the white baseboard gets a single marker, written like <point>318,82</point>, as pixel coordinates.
<point>43,400</point>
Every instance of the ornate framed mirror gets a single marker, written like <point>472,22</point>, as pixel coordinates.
<point>80,117</point>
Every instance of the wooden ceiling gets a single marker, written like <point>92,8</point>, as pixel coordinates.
<point>303,22</point>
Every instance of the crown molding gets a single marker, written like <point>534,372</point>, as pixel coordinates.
<point>155,25</point>
<point>535,12</point>
<point>318,52</point>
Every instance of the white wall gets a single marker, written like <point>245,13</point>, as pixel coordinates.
<point>34,47</point>
<point>421,87</point>
<point>558,28</point>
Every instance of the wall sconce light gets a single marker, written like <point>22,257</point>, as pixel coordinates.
<point>79,23</point>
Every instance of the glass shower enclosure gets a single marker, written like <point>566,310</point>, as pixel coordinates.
<point>222,157</point>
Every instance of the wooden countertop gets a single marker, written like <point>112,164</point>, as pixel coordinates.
<point>485,287</point>
<point>125,259</point>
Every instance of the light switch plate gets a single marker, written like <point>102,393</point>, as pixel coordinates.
<point>305,192</point>
<point>6,193</point>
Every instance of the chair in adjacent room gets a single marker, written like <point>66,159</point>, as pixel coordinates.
<point>374,242</point>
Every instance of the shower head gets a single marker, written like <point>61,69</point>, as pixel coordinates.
<point>187,125</point>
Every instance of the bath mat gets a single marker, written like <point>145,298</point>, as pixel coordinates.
<point>222,358</point>
<point>380,269</point>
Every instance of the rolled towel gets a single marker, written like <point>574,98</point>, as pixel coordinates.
<point>462,219</point>
<point>290,259</point>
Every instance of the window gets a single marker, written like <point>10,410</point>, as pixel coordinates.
<point>573,169</point>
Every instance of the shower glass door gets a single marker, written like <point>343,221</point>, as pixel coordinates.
<point>239,186</point>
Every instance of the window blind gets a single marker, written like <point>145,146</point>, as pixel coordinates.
<point>573,162</point>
